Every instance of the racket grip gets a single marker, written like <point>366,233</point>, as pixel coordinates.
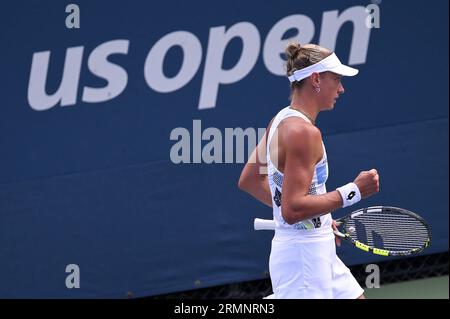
<point>263,224</point>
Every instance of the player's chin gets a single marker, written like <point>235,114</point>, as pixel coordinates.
<point>333,102</point>
<point>331,105</point>
<point>328,106</point>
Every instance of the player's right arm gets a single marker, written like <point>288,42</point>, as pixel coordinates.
<point>301,157</point>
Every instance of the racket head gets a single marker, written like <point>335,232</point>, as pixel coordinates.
<point>386,231</point>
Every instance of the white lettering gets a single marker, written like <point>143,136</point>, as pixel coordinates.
<point>215,146</point>
<point>373,18</point>
<point>373,279</point>
<point>73,280</point>
<point>73,19</point>
<point>275,45</point>
<point>214,75</point>
<point>68,88</point>
<point>192,57</point>
<point>115,75</point>
<point>183,145</point>
<point>332,23</point>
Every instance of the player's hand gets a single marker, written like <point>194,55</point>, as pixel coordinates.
<point>337,238</point>
<point>368,183</point>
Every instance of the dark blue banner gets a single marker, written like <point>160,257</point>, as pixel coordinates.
<point>117,119</point>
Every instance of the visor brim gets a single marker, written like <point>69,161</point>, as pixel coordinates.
<point>345,70</point>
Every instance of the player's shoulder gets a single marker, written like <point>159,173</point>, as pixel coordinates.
<point>295,128</point>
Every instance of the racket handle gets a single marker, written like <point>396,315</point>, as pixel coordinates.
<point>263,224</point>
<point>338,233</point>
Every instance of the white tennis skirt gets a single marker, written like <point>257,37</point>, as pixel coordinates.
<point>305,266</point>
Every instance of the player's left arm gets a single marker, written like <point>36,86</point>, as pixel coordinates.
<point>253,179</point>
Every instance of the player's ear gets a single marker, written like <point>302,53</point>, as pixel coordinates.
<point>315,79</point>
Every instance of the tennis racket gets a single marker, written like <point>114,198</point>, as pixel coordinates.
<point>381,230</point>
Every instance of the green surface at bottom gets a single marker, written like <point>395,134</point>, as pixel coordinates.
<point>428,288</point>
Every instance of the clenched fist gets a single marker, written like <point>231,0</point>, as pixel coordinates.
<point>368,183</point>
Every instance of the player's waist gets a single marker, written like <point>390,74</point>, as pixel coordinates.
<point>287,233</point>
<point>325,221</point>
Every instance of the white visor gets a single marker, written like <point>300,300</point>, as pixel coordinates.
<point>330,63</point>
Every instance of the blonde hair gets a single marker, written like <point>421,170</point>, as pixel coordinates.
<point>299,57</point>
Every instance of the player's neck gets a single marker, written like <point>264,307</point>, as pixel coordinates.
<point>305,105</point>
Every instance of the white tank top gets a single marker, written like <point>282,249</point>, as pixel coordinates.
<point>316,187</point>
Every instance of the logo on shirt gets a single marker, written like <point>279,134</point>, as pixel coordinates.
<point>277,197</point>
<point>316,222</point>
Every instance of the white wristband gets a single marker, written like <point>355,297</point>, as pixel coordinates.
<point>350,194</point>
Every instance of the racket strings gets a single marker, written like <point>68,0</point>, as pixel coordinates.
<point>388,230</point>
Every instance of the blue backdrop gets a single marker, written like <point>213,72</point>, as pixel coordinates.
<point>85,173</point>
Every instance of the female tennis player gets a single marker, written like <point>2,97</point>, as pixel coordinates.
<point>303,261</point>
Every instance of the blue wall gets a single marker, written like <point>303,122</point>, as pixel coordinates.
<point>92,184</point>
